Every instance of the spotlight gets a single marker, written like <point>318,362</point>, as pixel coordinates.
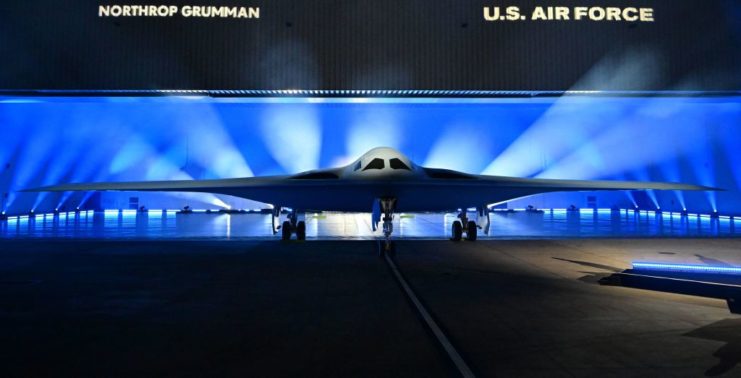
<point>56,211</point>
<point>684,212</point>
<point>714,214</point>
<point>3,217</point>
<point>658,209</point>
<point>31,214</point>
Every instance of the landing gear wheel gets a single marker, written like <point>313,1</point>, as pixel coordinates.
<point>457,231</point>
<point>286,231</point>
<point>471,230</point>
<point>301,231</point>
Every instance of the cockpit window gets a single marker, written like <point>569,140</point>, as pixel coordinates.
<point>375,164</point>
<point>357,166</point>
<point>396,163</point>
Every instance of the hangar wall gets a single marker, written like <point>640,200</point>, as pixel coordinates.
<point>53,140</point>
<point>371,45</point>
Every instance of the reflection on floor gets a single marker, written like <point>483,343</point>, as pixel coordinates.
<point>508,225</point>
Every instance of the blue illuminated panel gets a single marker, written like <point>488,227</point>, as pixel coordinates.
<point>686,268</point>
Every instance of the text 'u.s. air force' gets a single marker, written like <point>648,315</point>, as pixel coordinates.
<point>553,13</point>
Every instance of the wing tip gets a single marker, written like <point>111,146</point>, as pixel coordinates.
<point>704,188</point>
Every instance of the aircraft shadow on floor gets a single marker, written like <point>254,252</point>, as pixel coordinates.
<point>592,277</point>
<point>727,331</point>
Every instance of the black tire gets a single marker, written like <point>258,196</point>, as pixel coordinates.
<point>471,231</point>
<point>286,231</point>
<point>301,231</point>
<point>457,231</point>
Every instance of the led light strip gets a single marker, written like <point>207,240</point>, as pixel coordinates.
<point>362,92</point>
<point>687,268</point>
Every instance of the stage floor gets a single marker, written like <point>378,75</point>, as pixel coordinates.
<point>511,308</point>
<point>504,225</point>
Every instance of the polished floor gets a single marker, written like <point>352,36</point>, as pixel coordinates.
<point>589,223</point>
<point>511,308</point>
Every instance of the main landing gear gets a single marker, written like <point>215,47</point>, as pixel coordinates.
<point>293,225</point>
<point>471,229</point>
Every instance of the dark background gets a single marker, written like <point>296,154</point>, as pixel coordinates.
<point>370,44</point>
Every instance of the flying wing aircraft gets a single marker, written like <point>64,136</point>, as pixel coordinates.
<point>384,181</point>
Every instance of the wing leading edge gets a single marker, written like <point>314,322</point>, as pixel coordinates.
<point>152,186</point>
<point>551,185</point>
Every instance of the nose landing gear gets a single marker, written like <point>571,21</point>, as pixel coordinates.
<point>387,207</point>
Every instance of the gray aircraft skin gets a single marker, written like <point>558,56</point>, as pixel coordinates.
<point>380,174</point>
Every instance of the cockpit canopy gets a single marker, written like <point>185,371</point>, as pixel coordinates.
<point>378,163</point>
<point>382,159</point>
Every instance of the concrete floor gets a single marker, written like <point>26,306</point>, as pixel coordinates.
<point>332,308</point>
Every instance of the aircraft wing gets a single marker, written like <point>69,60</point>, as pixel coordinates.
<point>316,190</point>
<point>556,185</point>
<point>458,191</point>
<point>219,186</point>
<point>497,189</point>
<point>324,190</point>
